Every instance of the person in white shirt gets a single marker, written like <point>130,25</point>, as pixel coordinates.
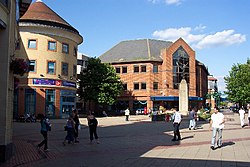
<point>127,113</point>
<point>242,117</point>
<point>176,125</point>
<point>216,124</point>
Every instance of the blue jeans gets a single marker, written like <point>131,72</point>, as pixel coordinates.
<point>192,123</point>
<point>215,132</point>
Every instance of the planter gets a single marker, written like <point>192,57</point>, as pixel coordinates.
<point>19,66</point>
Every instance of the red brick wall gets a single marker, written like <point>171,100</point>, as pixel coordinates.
<point>164,76</point>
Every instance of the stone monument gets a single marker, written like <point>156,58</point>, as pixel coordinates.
<point>182,64</point>
<point>183,97</point>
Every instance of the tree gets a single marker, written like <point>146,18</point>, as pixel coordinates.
<point>216,95</point>
<point>99,83</point>
<point>238,84</point>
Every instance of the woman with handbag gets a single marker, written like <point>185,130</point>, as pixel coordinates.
<point>77,125</point>
<point>70,128</point>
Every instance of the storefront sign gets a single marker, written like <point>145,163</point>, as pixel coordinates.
<point>53,82</point>
<point>44,81</point>
<point>69,84</point>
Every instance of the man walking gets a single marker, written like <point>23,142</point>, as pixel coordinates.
<point>192,119</point>
<point>242,117</point>
<point>127,113</point>
<point>176,125</point>
<point>216,125</point>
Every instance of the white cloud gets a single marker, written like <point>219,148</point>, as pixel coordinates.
<point>168,2</point>
<point>154,1</point>
<point>200,41</point>
<point>200,28</point>
<point>171,2</point>
<point>173,34</point>
<point>226,37</point>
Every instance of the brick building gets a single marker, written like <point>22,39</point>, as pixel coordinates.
<point>151,72</point>
<point>50,45</point>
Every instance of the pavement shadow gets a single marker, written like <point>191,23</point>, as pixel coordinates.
<point>123,142</point>
<point>229,143</point>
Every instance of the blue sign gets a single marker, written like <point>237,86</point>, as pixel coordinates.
<point>69,84</point>
<point>53,82</point>
<point>44,81</point>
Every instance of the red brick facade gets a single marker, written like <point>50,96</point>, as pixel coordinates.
<point>164,77</point>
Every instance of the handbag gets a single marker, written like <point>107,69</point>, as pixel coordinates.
<point>65,128</point>
<point>48,126</point>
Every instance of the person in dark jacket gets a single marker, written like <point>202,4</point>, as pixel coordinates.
<point>45,127</point>
<point>92,122</point>
<point>70,128</point>
<point>77,124</point>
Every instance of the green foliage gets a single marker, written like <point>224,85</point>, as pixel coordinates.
<point>99,82</point>
<point>238,83</point>
<point>204,115</point>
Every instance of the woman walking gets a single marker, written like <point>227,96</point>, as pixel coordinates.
<point>45,127</point>
<point>92,122</point>
<point>70,128</point>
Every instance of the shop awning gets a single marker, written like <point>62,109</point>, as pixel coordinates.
<point>173,98</point>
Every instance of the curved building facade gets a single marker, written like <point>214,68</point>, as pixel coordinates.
<point>49,44</point>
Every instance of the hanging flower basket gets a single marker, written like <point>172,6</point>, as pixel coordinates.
<point>19,66</point>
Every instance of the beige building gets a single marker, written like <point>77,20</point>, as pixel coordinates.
<point>50,45</point>
<point>9,15</point>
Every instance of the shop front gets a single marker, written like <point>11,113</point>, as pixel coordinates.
<point>67,102</point>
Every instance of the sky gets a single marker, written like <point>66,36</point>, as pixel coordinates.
<point>217,30</point>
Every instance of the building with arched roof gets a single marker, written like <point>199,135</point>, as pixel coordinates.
<point>49,44</point>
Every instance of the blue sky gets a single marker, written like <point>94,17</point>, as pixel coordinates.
<point>218,30</point>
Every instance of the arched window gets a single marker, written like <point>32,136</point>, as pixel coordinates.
<point>180,67</point>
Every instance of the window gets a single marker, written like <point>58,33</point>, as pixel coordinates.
<point>180,67</point>
<point>136,69</point>
<point>51,67</point>
<point>50,102</point>
<point>124,69</point>
<point>136,86</point>
<point>143,68</point>
<point>65,69</point>
<point>74,70</point>
<point>75,51</point>
<point>52,45</point>
<point>65,48</point>
<point>155,85</point>
<point>32,44</point>
<point>118,70</point>
<point>80,62</point>
<point>30,101</point>
<point>143,85</point>
<point>125,86</point>
<point>32,65</point>
<point>155,68</point>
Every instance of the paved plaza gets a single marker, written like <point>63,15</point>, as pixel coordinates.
<point>134,143</point>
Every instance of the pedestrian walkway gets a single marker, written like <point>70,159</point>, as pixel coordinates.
<point>134,143</point>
